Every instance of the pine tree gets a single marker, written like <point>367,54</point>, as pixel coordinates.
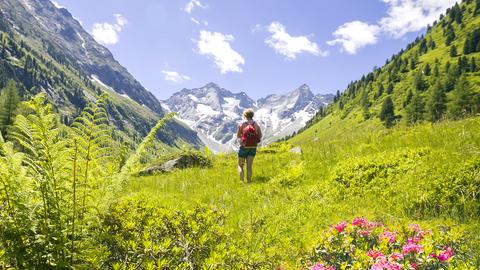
<point>453,51</point>
<point>415,109</point>
<point>390,88</point>
<point>387,113</point>
<point>9,100</point>
<point>427,70</point>
<point>437,102</point>
<point>365,103</point>
<point>420,83</point>
<point>461,104</point>
<point>408,98</point>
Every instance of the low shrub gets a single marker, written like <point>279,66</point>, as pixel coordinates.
<point>139,234</point>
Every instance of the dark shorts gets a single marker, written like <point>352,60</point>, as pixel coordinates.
<point>247,152</point>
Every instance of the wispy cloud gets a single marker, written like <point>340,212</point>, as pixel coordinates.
<point>108,33</point>
<point>290,46</point>
<point>402,17</point>
<point>405,16</point>
<point>354,35</point>
<point>174,76</point>
<point>193,4</point>
<point>217,46</point>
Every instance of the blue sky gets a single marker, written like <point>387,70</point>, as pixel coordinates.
<point>260,47</point>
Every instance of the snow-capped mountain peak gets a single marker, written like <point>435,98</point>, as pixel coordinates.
<point>215,112</point>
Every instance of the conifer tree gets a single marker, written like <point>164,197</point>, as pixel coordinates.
<point>415,109</point>
<point>387,113</point>
<point>420,83</point>
<point>437,102</point>
<point>427,70</point>
<point>453,51</point>
<point>9,100</point>
<point>461,104</point>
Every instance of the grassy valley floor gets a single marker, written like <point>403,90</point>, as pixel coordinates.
<point>398,176</point>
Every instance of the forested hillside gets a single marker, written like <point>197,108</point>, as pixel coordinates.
<point>435,78</point>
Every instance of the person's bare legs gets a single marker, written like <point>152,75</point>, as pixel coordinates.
<point>249,168</point>
<point>241,162</point>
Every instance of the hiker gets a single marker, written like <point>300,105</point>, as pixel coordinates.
<point>250,135</point>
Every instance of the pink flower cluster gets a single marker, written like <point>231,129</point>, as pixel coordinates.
<point>445,255</point>
<point>320,266</point>
<point>412,248</point>
<point>340,227</point>
<point>389,236</point>
<point>388,249</point>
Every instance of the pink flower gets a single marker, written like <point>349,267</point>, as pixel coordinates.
<point>359,222</point>
<point>411,247</point>
<point>374,224</point>
<point>320,266</point>
<point>392,266</point>
<point>414,240</point>
<point>415,227</point>
<point>379,264</point>
<point>374,254</point>
<point>364,232</point>
<point>340,227</point>
<point>389,236</point>
<point>445,255</point>
<point>414,265</point>
<point>396,256</point>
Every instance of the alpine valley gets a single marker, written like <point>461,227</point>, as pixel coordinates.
<point>215,112</point>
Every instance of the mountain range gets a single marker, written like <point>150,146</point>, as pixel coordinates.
<point>215,112</point>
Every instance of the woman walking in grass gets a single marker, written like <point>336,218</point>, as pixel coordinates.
<point>250,135</point>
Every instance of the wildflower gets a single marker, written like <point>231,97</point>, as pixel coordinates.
<point>415,227</point>
<point>445,255</point>
<point>340,227</point>
<point>392,266</point>
<point>389,236</point>
<point>412,247</point>
<point>374,254</point>
<point>414,265</point>
<point>359,222</point>
<point>320,266</point>
<point>414,240</point>
<point>379,264</point>
<point>396,256</point>
<point>374,224</point>
<point>364,232</point>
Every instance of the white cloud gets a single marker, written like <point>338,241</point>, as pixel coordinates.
<point>106,33</point>
<point>175,77</point>
<point>195,21</point>
<point>285,44</point>
<point>217,45</point>
<point>405,16</point>
<point>193,4</point>
<point>355,35</point>
<point>121,21</point>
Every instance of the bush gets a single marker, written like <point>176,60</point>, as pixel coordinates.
<point>291,176</point>
<point>137,234</point>
<point>375,172</point>
<point>455,193</point>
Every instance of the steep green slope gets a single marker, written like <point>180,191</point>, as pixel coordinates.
<point>427,65</point>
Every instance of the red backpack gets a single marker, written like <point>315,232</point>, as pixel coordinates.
<point>249,135</point>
